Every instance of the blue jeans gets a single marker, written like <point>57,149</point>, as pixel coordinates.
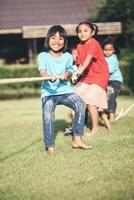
<point>112,104</point>
<point>49,104</point>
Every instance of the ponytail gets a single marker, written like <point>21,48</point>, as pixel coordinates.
<point>93,27</point>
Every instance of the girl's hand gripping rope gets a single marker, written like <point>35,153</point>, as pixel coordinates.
<point>75,78</point>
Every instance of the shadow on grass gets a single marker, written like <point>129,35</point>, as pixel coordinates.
<point>60,125</point>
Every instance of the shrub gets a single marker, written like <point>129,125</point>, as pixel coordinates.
<point>19,90</point>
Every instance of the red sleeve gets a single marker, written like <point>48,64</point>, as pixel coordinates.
<point>78,57</point>
<point>77,61</point>
<point>93,49</point>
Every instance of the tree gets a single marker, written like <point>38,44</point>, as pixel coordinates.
<point>118,10</point>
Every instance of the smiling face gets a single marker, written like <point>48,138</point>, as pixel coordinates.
<point>85,33</point>
<point>108,50</point>
<point>56,43</point>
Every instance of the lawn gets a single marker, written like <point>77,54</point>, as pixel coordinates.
<point>27,172</point>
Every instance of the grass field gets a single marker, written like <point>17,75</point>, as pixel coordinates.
<point>27,173</point>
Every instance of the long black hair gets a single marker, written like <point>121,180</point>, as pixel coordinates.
<point>93,27</point>
<point>52,31</point>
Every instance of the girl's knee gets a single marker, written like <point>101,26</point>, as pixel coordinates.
<point>80,101</point>
<point>48,105</point>
<point>48,110</point>
<point>81,104</point>
<point>48,116</point>
<point>81,108</point>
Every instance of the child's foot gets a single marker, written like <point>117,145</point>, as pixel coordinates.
<point>51,150</point>
<point>81,146</point>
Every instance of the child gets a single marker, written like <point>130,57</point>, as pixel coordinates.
<point>57,62</point>
<point>110,50</point>
<point>94,71</point>
<point>69,131</point>
<point>74,55</point>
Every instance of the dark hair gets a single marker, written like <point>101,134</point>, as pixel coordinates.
<point>109,40</point>
<point>72,48</point>
<point>52,31</point>
<point>91,25</point>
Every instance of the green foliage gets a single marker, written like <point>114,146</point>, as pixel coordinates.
<point>113,10</point>
<point>18,71</point>
<point>28,173</point>
<point>121,10</point>
<point>127,67</point>
<point>19,89</point>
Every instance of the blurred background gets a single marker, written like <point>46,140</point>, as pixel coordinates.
<point>24,24</point>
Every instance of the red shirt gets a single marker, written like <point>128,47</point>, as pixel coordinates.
<point>97,72</point>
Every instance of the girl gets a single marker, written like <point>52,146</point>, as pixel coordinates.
<point>57,62</point>
<point>69,130</point>
<point>94,70</point>
<point>110,50</point>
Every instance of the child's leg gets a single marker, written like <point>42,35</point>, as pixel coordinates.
<point>72,116</point>
<point>75,102</point>
<point>105,120</point>
<point>112,107</point>
<point>77,142</point>
<point>86,116</point>
<point>111,117</point>
<point>112,104</point>
<point>48,116</point>
<point>94,118</point>
<point>69,131</point>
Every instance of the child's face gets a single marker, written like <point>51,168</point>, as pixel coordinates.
<point>84,32</point>
<point>56,42</point>
<point>74,54</point>
<point>108,50</point>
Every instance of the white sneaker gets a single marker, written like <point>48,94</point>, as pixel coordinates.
<point>68,131</point>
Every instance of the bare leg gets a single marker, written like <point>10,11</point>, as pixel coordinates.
<point>111,117</point>
<point>94,117</point>
<point>78,143</point>
<point>105,120</point>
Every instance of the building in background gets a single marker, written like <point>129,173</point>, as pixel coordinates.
<point>24,23</point>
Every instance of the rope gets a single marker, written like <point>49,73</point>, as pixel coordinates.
<point>23,80</point>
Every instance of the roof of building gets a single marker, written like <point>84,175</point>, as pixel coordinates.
<point>18,13</point>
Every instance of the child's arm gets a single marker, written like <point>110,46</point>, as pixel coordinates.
<point>66,75</point>
<point>44,74</point>
<point>87,61</point>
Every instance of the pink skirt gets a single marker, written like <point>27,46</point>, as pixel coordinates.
<point>92,94</point>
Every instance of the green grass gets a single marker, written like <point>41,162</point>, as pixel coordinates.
<point>27,173</point>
